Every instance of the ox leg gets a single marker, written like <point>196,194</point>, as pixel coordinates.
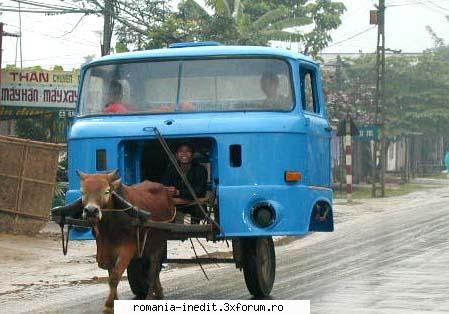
<point>158,291</point>
<point>115,275</point>
<point>155,287</point>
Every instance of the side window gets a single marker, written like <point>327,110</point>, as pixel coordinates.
<point>308,92</point>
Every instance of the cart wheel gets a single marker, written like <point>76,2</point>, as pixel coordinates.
<point>259,265</point>
<point>137,277</point>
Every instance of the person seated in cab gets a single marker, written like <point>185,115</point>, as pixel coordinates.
<point>197,176</point>
<point>114,99</point>
<point>269,83</point>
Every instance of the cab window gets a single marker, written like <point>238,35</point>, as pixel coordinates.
<point>224,84</point>
<point>308,92</point>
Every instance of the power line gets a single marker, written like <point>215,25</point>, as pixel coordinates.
<point>439,6</point>
<point>88,43</point>
<point>42,8</point>
<point>353,36</point>
<point>411,2</point>
<point>74,27</point>
<point>431,8</point>
<point>48,12</point>
<point>53,6</point>
<point>48,58</point>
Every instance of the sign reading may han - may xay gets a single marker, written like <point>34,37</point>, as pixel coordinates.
<point>49,89</point>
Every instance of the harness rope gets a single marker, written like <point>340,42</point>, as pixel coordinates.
<point>140,246</point>
<point>65,244</point>
<point>140,249</point>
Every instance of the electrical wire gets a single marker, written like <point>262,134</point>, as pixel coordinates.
<point>38,7</point>
<point>439,6</point>
<point>353,36</point>
<point>411,2</point>
<point>46,5</point>
<point>5,9</point>
<point>84,43</point>
<point>431,8</point>
<point>48,58</point>
<point>74,27</point>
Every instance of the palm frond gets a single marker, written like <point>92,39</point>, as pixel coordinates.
<point>283,36</point>
<point>195,9</point>
<point>292,22</point>
<point>238,7</point>
<point>270,17</point>
<point>220,6</point>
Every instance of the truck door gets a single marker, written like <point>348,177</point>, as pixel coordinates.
<point>318,128</point>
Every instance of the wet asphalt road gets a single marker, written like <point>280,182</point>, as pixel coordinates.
<point>392,261</point>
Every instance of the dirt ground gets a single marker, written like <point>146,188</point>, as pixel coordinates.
<point>34,268</point>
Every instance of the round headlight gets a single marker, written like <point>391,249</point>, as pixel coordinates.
<point>263,215</point>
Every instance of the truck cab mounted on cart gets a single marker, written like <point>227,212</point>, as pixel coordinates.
<point>256,116</point>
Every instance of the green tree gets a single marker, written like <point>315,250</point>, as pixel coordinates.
<point>58,68</point>
<point>283,20</point>
<point>144,24</point>
<point>416,92</point>
<point>32,128</point>
<point>258,22</point>
<point>121,47</point>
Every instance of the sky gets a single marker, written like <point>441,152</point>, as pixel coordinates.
<point>67,39</point>
<point>405,26</point>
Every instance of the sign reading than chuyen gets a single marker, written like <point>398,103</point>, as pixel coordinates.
<point>39,88</point>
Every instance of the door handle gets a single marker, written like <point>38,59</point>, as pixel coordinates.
<point>328,128</point>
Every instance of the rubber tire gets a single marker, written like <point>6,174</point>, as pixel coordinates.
<point>137,277</point>
<point>259,265</point>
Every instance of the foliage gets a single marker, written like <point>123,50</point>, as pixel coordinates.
<point>145,24</point>
<point>59,195</point>
<point>29,129</point>
<point>58,68</point>
<point>258,22</point>
<point>121,47</point>
<point>416,92</point>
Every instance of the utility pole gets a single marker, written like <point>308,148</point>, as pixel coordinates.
<point>108,25</point>
<point>3,33</point>
<point>379,153</point>
<point>1,53</point>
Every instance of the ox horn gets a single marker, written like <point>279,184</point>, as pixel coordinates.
<point>113,176</point>
<point>82,175</point>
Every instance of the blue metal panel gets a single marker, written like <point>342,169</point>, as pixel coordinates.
<point>265,158</point>
<point>78,233</point>
<point>82,157</point>
<point>270,146</point>
<point>195,44</point>
<point>318,152</point>
<point>204,51</point>
<point>293,205</point>
<point>188,124</point>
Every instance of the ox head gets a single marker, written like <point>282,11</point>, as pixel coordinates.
<point>97,193</point>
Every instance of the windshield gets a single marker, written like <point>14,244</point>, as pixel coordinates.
<point>187,85</point>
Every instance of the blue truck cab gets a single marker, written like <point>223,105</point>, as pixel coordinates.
<point>257,116</point>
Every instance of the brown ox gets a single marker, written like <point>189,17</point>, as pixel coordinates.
<point>116,235</point>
